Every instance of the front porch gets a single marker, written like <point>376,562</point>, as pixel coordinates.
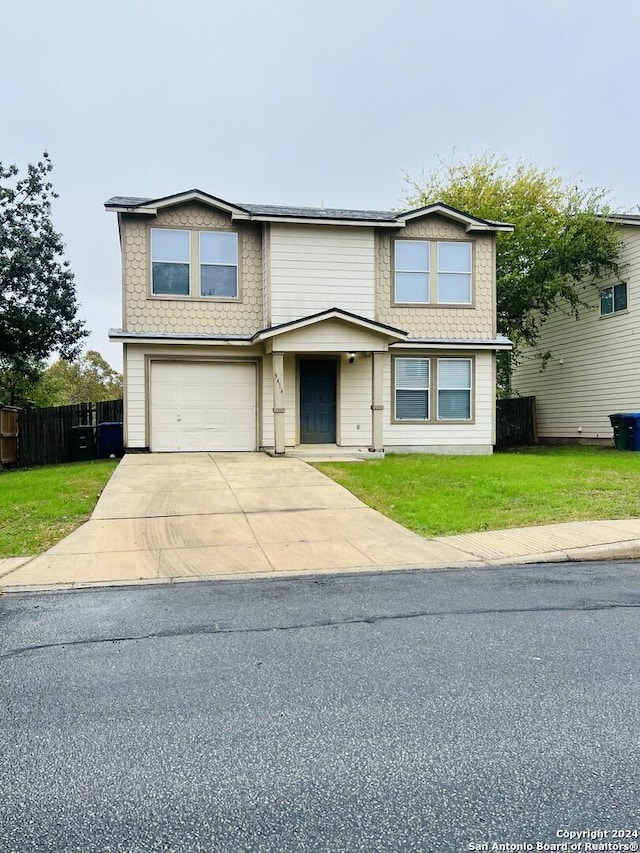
<point>327,385</point>
<point>328,453</point>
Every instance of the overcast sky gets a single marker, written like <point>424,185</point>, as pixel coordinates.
<point>303,102</point>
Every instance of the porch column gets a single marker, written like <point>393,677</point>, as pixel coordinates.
<point>377,406</point>
<point>278,402</point>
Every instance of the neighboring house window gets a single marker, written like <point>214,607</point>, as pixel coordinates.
<point>412,389</point>
<point>613,299</point>
<point>412,271</point>
<point>413,261</point>
<point>218,263</point>
<point>454,273</point>
<point>170,258</point>
<point>454,389</point>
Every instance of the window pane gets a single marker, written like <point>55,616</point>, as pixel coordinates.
<point>454,405</point>
<point>218,281</point>
<point>454,257</point>
<point>412,373</point>
<point>454,373</point>
<point>218,248</point>
<point>412,255</point>
<point>606,301</point>
<point>453,287</point>
<point>412,405</point>
<point>412,287</point>
<point>620,297</point>
<point>169,245</point>
<point>171,279</point>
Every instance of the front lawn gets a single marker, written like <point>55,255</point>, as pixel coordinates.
<point>442,495</point>
<point>38,507</point>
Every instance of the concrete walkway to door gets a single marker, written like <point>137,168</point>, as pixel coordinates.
<point>170,516</point>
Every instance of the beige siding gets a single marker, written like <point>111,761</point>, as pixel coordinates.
<point>135,396</point>
<point>355,386</point>
<point>318,267</point>
<point>594,369</point>
<point>330,336</point>
<point>431,321</point>
<point>464,436</point>
<point>146,313</point>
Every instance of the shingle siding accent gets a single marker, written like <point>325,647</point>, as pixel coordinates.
<point>477,321</point>
<point>143,313</point>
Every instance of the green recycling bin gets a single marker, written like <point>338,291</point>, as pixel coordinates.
<point>620,431</point>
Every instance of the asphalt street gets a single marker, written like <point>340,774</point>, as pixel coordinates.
<point>410,711</point>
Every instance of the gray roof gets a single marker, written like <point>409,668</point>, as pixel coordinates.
<point>318,212</point>
<point>295,212</point>
<point>623,218</point>
<point>275,209</point>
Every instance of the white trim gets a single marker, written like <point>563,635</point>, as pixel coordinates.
<point>496,345</point>
<point>174,339</point>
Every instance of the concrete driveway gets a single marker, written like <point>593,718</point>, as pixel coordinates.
<point>170,516</point>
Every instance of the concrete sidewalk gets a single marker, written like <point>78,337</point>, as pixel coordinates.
<point>202,515</point>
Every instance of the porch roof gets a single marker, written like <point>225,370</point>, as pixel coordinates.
<point>355,320</point>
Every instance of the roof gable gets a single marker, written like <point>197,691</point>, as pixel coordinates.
<point>347,317</point>
<point>471,223</point>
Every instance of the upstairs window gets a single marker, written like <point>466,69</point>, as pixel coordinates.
<point>454,273</point>
<point>414,259</point>
<point>194,263</point>
<point>170,262</point>
<point>412,271</point>
<point>218,263</point>
<point>613,299</point>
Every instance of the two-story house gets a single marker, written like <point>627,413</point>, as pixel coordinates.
<point>593,368</point>
<point>250,327</point>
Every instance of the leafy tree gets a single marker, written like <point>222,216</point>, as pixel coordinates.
<point>37,293</point>
<point>89,379</point>
<point>560,238</point>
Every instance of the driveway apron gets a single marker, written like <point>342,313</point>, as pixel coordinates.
<point>175,516</point>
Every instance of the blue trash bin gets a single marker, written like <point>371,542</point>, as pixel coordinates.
<point>632,424</point>
<point>109,439</point>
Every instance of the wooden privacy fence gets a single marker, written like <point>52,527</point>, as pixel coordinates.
<point>44,435</point>
<point>516,421</point>
<point>8,435</point>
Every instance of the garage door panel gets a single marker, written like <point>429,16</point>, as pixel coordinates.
<point>203,406</point>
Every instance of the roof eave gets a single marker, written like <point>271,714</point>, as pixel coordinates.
<point>322,220</point>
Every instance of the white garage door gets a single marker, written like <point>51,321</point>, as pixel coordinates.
<point>203,406</point>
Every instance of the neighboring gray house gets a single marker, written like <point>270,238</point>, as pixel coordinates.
<point>251,327</point>
<point>594,369</point>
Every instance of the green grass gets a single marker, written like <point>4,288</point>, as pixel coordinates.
<point>38,507</point>
<point>442,495</point>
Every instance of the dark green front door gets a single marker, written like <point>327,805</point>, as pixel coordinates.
<point>317,401</point>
